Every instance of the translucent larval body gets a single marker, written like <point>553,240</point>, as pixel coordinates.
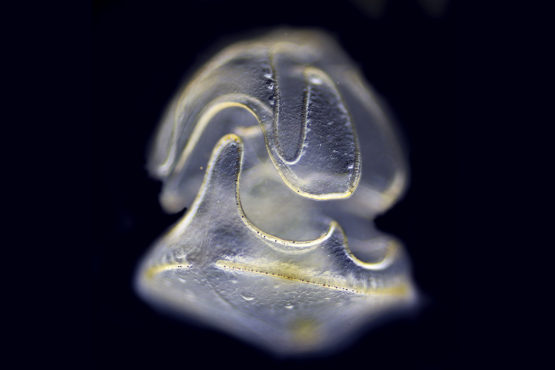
<point>282,156</point>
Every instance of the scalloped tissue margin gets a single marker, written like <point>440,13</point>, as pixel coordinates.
<point>282,154</point>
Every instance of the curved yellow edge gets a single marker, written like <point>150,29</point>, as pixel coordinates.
<point>394,190</point>
<point>216,108</point>
<point>248,131</point>
<point>272,239</point>
<point>201,125</point>
<point>182,225</point>
<point>217,61</point>
<point>185,221</point>
<point>293,245</point>
<point>282,270</point>
<point>393,249</point>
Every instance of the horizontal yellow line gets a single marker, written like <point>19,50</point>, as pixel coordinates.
<point>154,270</point>
<point>399,289</point>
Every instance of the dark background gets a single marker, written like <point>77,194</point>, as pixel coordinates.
<point>141,53</point>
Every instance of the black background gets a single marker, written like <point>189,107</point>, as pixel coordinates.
<point>141,53</point>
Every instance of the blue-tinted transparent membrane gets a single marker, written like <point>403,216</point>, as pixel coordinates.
<point>282,156</point>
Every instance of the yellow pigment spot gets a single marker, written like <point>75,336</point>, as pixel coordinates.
<point>305,331</point>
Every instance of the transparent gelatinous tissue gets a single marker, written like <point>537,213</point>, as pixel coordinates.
<point>283,157</point>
